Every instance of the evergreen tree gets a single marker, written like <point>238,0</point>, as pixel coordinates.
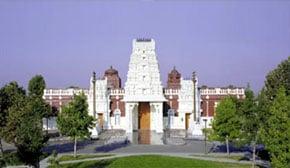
<point>74,120</point>
<point>226,124</point>
<point>276,131</point>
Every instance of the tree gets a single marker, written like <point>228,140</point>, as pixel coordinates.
<point>250,121</point>
<point>263,106</point>
<point>30,137</point>
<point>36,86</point>
<point>23,125</point>
<point>54,162</point>
<point>8,96</point>
<point>276,131</point>
<point>226,124</point>
<point>277,78</point>
<point>74,120</point>
<point>24,129</point>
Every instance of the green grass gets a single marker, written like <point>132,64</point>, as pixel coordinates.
<point>153,161</point>
<point>79,157</point>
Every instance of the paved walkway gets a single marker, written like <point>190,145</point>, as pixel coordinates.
<point>190,147</point>
<point>200,156</point>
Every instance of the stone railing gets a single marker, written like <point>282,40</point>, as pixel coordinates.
<point>115,92</point>
<point>222,91</point>
<point>171,91</point>
<point>64,92</point>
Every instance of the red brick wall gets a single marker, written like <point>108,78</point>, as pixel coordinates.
<point>209,110</point>
<point>114,82</point>
<point>174,104</point>
<point>57,103</point>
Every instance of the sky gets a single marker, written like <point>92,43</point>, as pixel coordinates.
<point>225,42</point>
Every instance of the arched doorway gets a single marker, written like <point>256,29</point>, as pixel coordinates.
<point>144,134</point>
<point>144,116</point>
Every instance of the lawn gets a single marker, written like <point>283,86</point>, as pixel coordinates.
<point>153,161</point>
<point>79,157</point>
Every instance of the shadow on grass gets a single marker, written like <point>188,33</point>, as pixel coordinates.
<point>66,147</point>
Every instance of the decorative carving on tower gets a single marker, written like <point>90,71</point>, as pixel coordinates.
<point>143,78</point>
<point>173,81</point>
<point>114,81</point>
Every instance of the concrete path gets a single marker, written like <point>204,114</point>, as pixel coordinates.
<point>199,156</point>
<point>190,147</point>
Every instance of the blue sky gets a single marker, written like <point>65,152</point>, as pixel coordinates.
<point>226,42</point>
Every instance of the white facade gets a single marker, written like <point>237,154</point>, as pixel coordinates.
<point>143,84</point>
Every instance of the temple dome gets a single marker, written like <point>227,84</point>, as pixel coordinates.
<point>174,72</point>
<point>111,71</point>
<point>174,78</point>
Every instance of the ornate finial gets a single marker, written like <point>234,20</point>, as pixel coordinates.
<point>194,76</point>
<point>174,68</point>
<point>94,76</point>
<point>111,67</point>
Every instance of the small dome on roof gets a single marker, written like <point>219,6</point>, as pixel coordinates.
<point>174,72</point>
<point>111,71</point>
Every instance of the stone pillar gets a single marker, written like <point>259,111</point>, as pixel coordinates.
<point>157,115</point>
<point>94,94</point>
<point>129,108</point>
<point>108,125</point>
<point>135,116</point>
<point>170,115</point>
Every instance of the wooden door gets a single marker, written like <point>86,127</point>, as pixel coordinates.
<point>187,119</point>
<point>144,116</point>
<point>100,120</point>
<point>144,136</point>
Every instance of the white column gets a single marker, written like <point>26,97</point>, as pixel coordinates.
<point>129,116</point>
<point>152,117</point>
<point>135,117</point>
<point>158,117</point>
<point>108,113</point>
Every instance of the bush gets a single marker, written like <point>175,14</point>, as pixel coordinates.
<point>10,158</point>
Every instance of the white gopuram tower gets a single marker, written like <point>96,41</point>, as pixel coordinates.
<point>143,85</point>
